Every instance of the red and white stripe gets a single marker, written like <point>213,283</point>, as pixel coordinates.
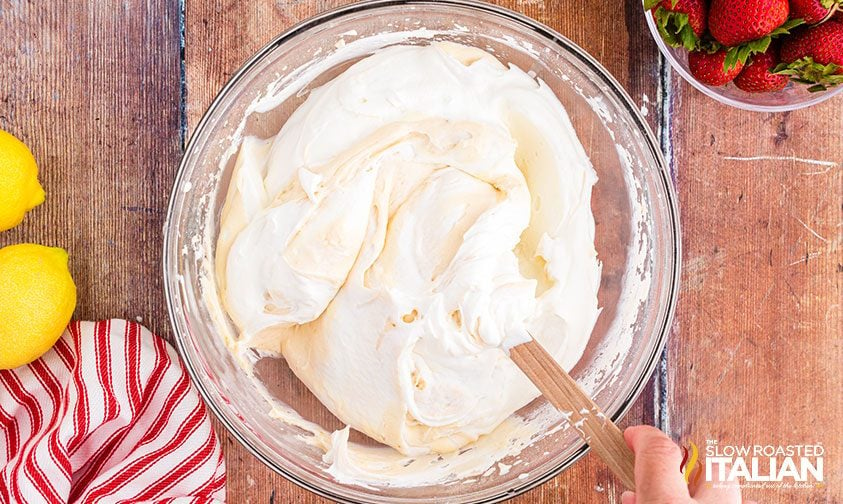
<point>107,415</point>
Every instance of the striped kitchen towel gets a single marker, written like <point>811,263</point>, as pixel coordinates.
<point>108,415</point>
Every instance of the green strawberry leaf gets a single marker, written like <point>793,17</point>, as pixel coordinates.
<point>651,4</point>
<point>675,29</point>
<point>808,71</point>
<point>742,52</point>
<point>782,69</point>
<point>731,59</point>
<point>785,28</point>
<point>661,16</point>
<point>816,88</point>
<point>758,46</point>
<point>690,41</point>
<point>831,82</point>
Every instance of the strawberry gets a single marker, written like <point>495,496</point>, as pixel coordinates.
<point>813,11</point>
<point>708,68</point>
<point>824,43</point>
<point>735,22</point>
<point>756,77</point>
<point>747,27</point>
<point>814,55</point>
<point>681,23</point>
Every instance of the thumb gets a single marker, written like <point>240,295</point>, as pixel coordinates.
<point>657,461</point>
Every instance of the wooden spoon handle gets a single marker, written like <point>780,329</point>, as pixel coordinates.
<point>604,437</point>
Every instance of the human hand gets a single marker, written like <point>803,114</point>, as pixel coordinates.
<point>658,479</point>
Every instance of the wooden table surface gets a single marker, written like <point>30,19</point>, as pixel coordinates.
<point>106,92</point>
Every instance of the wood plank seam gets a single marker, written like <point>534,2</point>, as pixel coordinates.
<point>182,78</point>
<point>661,411</point>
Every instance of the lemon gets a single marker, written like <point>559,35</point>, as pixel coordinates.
<point>19,187</point>
<point>37,298</point>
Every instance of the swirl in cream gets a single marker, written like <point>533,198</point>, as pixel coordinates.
<point>412,220</point>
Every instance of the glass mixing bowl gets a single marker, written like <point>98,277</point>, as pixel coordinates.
<point>637,236</point>
<point>794,96</point>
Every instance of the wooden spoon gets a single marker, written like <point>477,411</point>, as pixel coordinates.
<point>595,428</point>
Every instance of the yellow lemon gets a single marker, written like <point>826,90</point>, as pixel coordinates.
<point>37,298</point>
<point>19,187</point>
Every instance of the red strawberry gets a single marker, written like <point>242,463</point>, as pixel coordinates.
<point>708,68</point>
<point>813,11</point>
<point>814,55</point>
<point>823,43</point>
<point>756,77</point>
<point>734,22</point>
<point>680,22</point>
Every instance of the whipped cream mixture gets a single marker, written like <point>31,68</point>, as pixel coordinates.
<point>413,219</point>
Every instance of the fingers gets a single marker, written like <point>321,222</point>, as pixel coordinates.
<point>729,493</point>
<point>718,491</point>
<point>657,460</point>
<point>705,495</point>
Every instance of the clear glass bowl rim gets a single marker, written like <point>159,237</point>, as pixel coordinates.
<point>662,176</point>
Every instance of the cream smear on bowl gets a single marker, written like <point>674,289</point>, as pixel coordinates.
<point>413,218</point>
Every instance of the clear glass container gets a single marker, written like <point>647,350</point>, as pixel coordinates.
<point>793,96</point>
<point>637,234</point>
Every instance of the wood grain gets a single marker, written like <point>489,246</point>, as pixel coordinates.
<point>603,437</point>
<point>221,35</point>
<point>93,89</point>
<point>757,357</point>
